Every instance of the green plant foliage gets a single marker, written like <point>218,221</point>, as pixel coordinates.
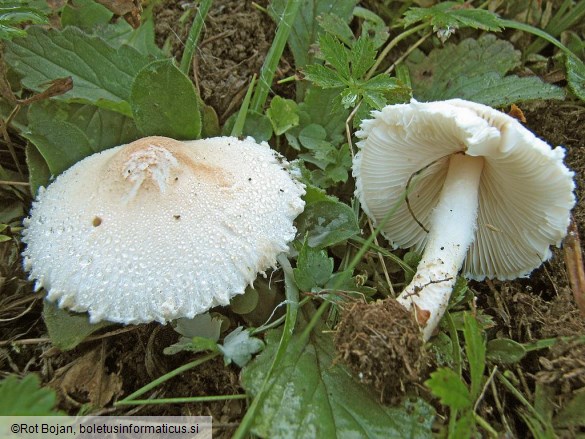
<point>102,75</point>
<point>61,143</point>
<point>348,67</point>
<point>327,222</point>
<point>576,76</point>
<point>283,114</point>
<point>475,70</point>
<point>164,102</point>
<point>85,14</point>
<point>306,29</point>
<point>238,347</point>
<point>505,351</point>
<point>314,268</point>
<point>572,414</point>
<point>25,397</point>
<point>445,17</point>
<point>15,14</point>
<point>451,390</point>
<point>311,396</point>
<point>38,171</point>
<point>66,329</point>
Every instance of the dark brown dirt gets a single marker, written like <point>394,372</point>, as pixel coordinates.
<point>381,342</point>
<point>232,47</point>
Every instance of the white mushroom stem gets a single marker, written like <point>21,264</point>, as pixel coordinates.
<point>454,221</point>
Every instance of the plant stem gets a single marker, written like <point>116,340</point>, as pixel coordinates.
<point>274,54</point>
<point>292,296</point>
<point>189,399</point>
<point>168,376</point>
<point>193,37</point>
<point>391,45</point>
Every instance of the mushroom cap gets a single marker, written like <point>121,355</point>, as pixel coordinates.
<point>160,229</point>
<point>526,192</point>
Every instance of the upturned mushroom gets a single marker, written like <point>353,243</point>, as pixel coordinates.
<point>160,229</point>
<point>484,195</point>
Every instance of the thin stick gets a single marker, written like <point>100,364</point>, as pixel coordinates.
<point>574,265</point>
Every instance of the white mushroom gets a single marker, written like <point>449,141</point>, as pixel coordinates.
<point>485,195</point>
<point>160,229</point>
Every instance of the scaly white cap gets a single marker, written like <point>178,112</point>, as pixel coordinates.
<point>160,229</point>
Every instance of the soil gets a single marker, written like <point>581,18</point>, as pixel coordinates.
<point>234,43</point>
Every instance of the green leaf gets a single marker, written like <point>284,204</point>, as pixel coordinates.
<point>452,15</point>
<point>245,303</point>
<point>306,28</point>
<point>101,74</point>
<point>326,223</point>
<point>335,53</point>
<point>322,76</point>
<point>576,76</point>
<point>494,90</point>
<point>475,349</point>
<point>363,56</point>
<point>238,347</point>
<point>283,114</point>
<point>38,170</point>
<point>85,14</point>
<point>103,128</point>
<point>314,268</point>
<point>475,70</point>
<point>25,397</point>
<point>313,137</point>
<point>311,395</point>
<point>67,330</point>
<point>446,385</point>
<point>572,414</point>
<point>164,102</point>
<point>335,25</point>
<point>12,16</point>
<point>60,143</point>
<point>505,351</point>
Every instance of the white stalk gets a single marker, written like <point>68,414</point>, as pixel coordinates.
<point>454,221</point>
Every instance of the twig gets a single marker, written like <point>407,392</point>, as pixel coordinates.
<point>574,265</point>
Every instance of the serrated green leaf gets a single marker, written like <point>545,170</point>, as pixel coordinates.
<point>326,223</point>
<point>446,385</point>
<point>283,114</point>
<point>336,54</point>
<point>474,70</point>
<point>497,91</point>
<point>505,351</point>
<point>311,396</point>
<point>25,397</point>
<point>475,350</point>
<point>101,74</point>
<point>67,330</point>
<point>576,76</point>
<point>314,268</point>
<point>164,102</point>
<point>363,56</point>
<point>322,76</point>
